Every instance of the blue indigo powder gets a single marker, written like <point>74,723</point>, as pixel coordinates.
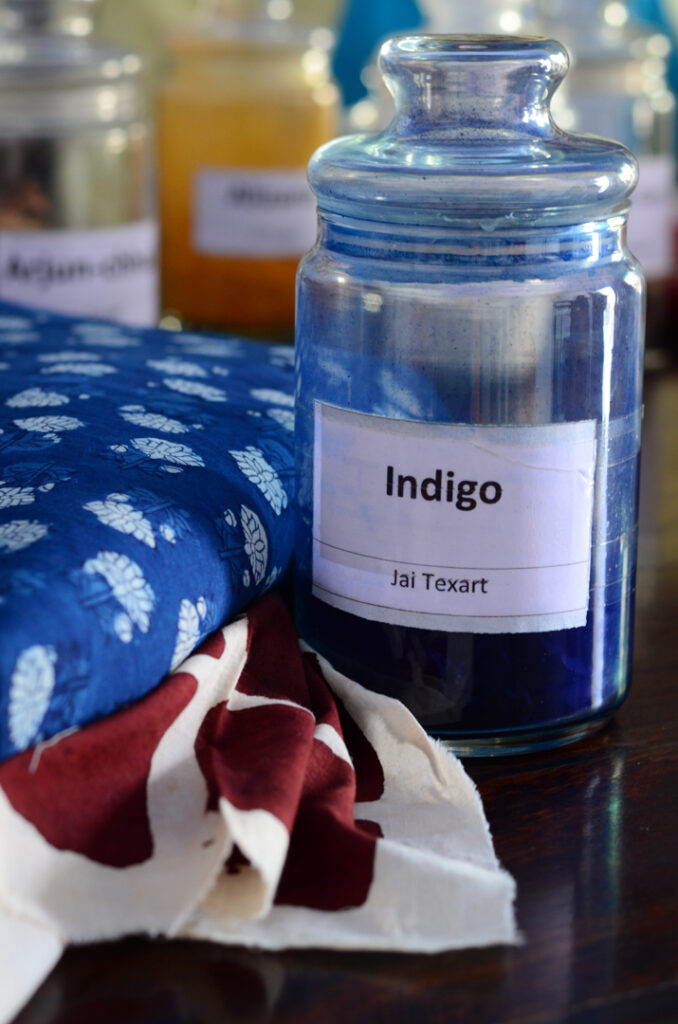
<point>469,370</point>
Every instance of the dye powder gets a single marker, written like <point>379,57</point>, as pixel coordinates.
<point>442,322</point>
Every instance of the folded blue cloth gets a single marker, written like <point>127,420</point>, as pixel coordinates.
<point>145,497</point>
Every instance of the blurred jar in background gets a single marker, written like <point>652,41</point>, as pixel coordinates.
<point>143,26</point>
<point>74,17</point>
<point>77,227</point>
<point>619,89</point>
<point>494,17</point>
<point>246,102</point>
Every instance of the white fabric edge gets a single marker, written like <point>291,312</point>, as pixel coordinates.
<point>28,952</point>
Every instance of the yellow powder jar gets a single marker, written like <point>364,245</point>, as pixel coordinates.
<point>240,113</point>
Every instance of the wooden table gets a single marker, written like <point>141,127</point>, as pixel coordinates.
<point>590,833</point>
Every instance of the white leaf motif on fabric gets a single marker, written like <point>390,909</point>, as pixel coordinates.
<point>169,451</point>
<point>127,584</point>
<point>21,338</point>
<point>117,512</point>
<point>105,335</point>
<point>38,397</point>
<point>124,630</point>
<point>10,497</point>
<point>221,371</point>
<point>195,343</point>
<point>30,691</point>
<point>87,369</point>
<point>194,387</point>
<point>273,397</point>
<point>229,518</point>
<point>15,323</point>
<point>188,630</point>
<point>272,577</point>
<point>283,354</point>
<point>254,466</point>
<point>68,356</point>
<point>153,420</point>
<point>49,424</point>
<point>177,367</point>
<point>168,534</point>
<point>256,542</point>
<point>20,534</point>
<point>285,417</point>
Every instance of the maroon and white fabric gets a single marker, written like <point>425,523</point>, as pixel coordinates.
<point>256,797</point>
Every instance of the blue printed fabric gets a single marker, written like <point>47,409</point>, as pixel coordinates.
<point>145,497</point>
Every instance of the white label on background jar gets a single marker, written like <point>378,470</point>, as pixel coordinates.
<point>652,218</point>
<point>106,272</point>
<point>461,528</point>
<point>253,213</point>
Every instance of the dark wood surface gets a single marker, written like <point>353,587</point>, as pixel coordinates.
<point>590,832</point>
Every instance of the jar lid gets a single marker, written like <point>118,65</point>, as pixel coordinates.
<point>265,24</point>
<point>473,142</point>
<point>44,60</point>
<point>74,16</point>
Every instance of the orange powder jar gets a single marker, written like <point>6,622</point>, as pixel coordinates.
<point>246,103</point>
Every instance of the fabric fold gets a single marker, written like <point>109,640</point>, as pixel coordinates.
<point>256,797</point>
<point>146,485</point>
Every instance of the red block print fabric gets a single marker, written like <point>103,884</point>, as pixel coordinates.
<point>255,797</point>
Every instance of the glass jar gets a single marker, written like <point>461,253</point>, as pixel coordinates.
<point>469,369</point>
<point>78,232</point>
<point>144,27</point>
<point>619,88</point>
<point>74,17</point>
<point>247,101</point>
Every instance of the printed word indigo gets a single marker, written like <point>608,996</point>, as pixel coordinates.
<point>434,488</point>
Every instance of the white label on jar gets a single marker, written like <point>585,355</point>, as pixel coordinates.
<point>461,528</point>
<point>652,219</point>
<point>253,213</point>
<point>106,272</point>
